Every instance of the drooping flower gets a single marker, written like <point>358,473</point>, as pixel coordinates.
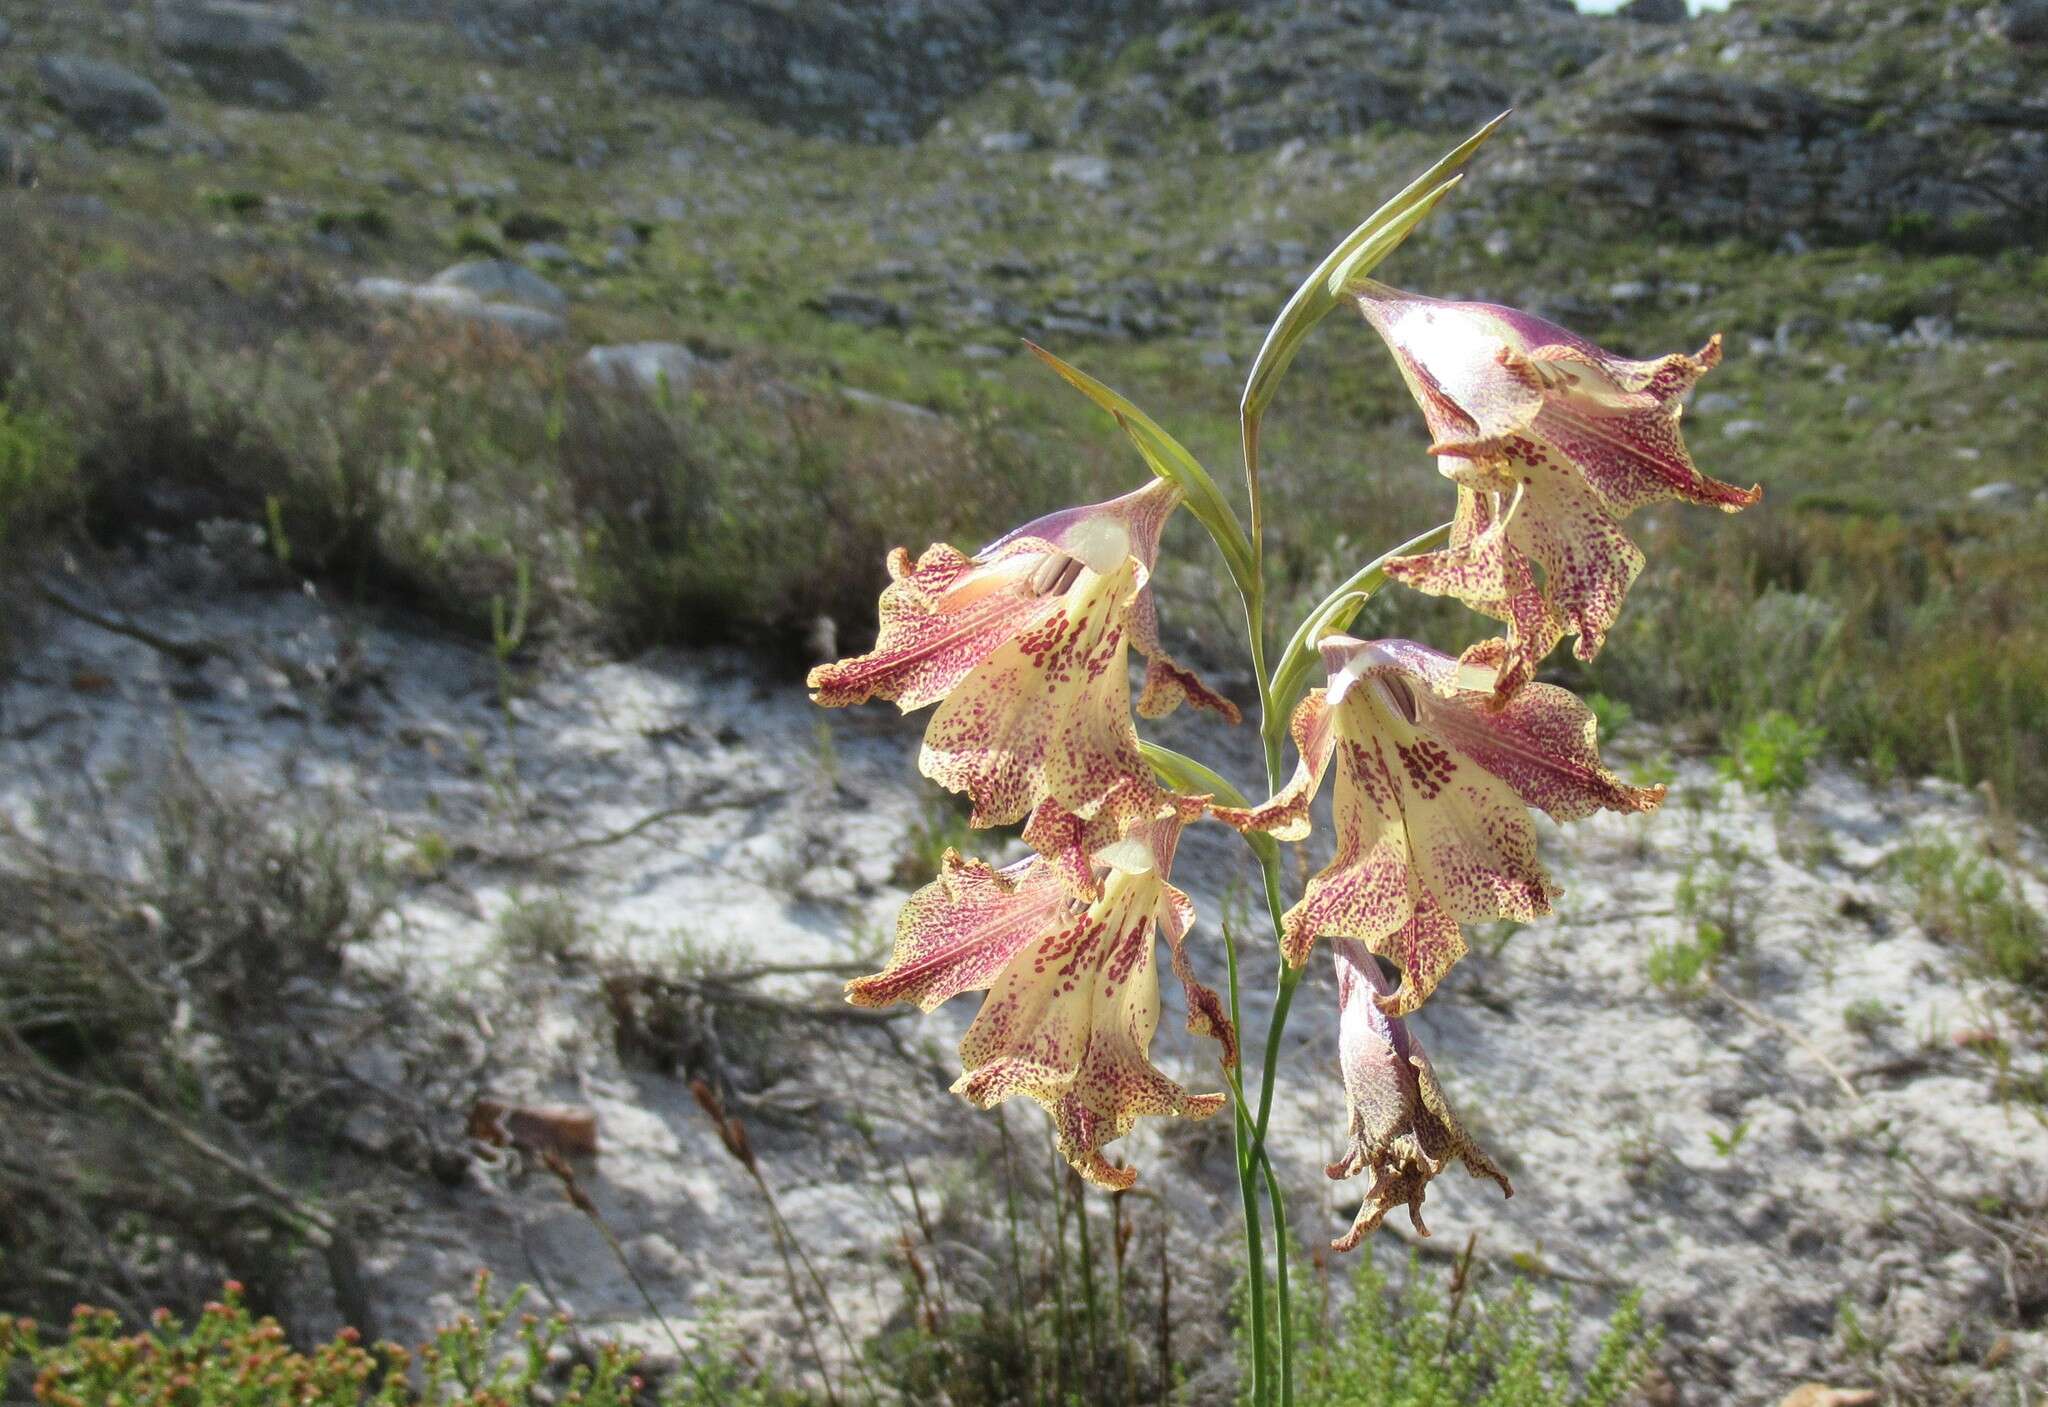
<point>1435,778</point>
<point>1073,992</point>
<point>1400,1126</point>
<point>1024,648</point>
<point>1552,442</point>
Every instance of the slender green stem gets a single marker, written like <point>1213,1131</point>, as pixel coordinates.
<point>1264,1164</point>
<point>1289,979</point>
<point>1250,1167</point>
<point>1247,1186</point>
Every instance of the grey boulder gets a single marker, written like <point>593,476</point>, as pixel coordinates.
<point>648,365</point>
<point>2022,21</point>
<point>1655,11</point>
<point>526,323</point>
<point>239,52</point>
<point>501,280</point>
<point>105,99</point>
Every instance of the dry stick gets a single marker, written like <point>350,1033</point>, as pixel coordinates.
<point>1165,1316</point>
<point>190,653</point>
<point>344,1266</point>
<point>1016,1264</point>
<point>924,1227</point>
<point>1461,1280</point>
<point>734,1135</point>
<point>1764,1018</point>
<point>579,1199</point>
<point>794,969</point>
<point>646,823</point>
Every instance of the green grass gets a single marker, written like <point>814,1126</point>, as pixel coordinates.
<point>1683,965</point>
<point>38,475</point>
<point>1771,754</point>
<point>1976,903</point>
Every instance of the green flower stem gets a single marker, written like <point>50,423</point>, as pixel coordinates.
<point>1289,978</point>
<point>1247,1186</point>
<point>1335,613</point>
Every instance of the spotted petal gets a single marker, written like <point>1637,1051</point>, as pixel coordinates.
<point>1025,648</point>
<point>1483,566</point>
<point>1556,440</point>
<point>1400,1126</point>
<point>1071,842</point>
<point>1070,1021</point>
<point>1434,778</point>
<point>960,931</point>
<point>1048,714</point>
<point>940,618</point>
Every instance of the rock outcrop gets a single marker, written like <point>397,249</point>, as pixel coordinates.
<point>865,72</point>
<point>103,98</point>
<point>239,52</point>
<point>1822,119</point>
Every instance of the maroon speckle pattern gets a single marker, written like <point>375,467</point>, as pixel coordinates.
<point>1552,442</point>
<point>1400,1127</point>
<point>1431,803</point>
<point>1027,655</point>
<point>1073,993</point>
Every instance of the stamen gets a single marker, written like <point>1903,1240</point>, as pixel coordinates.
<point>1053,576</point>
<point>1402,697</point>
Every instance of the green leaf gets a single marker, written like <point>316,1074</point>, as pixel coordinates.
<point>1337,611</point>
<point>1191,778</point>
<point>1323,290</point>
<point>1170,460</point>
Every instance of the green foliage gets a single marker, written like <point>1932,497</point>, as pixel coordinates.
<point>1969,901</point>
<point>942,827</point>
<point>1425,1348</point>
<point>1726,1144</point>
<point>1074,1307</point>
<point>1682,965</point>
<point>1610,714</point>
<point>478,244</point>
<point>38,475</point>
<point>492,1356</point>
<point>239,203</point>
<point>1868,1017</point>
<point>363,221</point>
<point>1771,754</point>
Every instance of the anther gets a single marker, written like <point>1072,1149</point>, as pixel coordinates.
<point>1053,576</point>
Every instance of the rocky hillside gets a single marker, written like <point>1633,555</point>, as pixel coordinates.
<point>1822,118</point>
<point>397,397</point>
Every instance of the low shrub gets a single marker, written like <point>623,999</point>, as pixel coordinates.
<point>492,1356</point>
<point>1422,1347</point>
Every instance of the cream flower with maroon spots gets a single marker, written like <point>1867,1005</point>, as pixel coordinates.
<point>1024,647</point>
<point>1552,442</point>
<point>1435,778</point>
<point>1400,1126</point>
<point>1073,988</point>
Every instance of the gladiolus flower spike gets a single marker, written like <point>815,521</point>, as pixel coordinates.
<point>1022,650</point>
<point>1552,442</point>
<point>1435,778</point>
